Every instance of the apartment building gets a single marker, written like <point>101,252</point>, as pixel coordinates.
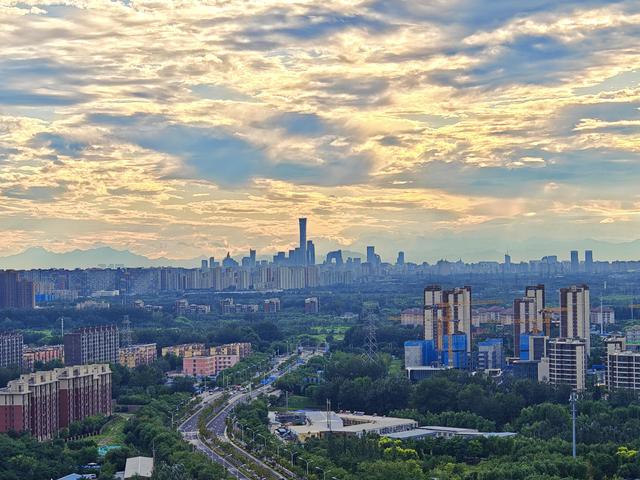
<point>10,349</point>
<point>92,345</point>
<point>44,402</point>
<point>565,363</point>
<point>136,355</point>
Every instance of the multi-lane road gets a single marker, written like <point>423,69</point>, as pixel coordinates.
<point>218,424</point>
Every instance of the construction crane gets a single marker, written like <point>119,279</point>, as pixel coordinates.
<point>547,313</point>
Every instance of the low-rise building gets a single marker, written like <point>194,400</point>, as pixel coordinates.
<point>318,424</point>
<point>138,467</point>
<point>209,365</point>
<point>604,317</point>
<point>431,431</point>
<point>271,305</point>
<point>185,350</point>
<point>490,354</point>
<point>412,316</point>
<point>136,355</point>
<point>311,305</point>
<point>242,349</point>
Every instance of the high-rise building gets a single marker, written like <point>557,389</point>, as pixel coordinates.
<point>537,292</point>
<point>311,253</point>
<point>10,349</point>
<point>92,345</point>
<point>252,257</point>
<point>623,366</point>
<point>42,403</point>
<point>204,265</point>
<point>447,312</point>
<point>433,312</point>
<point>303,241</point>
<point>588,261</point>
<point>507,263</point>
<point>524,315</point>
<point>575,261</point>
<point>528,314</point>
<point>459,300</point>
<point>400,260</point>
<point>371,255</point>
<point>575,309</point>
<point>16,292</point>
<point>565,363</point>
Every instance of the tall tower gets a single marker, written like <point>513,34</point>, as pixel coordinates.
<point>432,314</point>
<point>575,261</point>
<point>459,300</point>
<point>537,293</point>
<point>588,261</point>
<point>575,309</point>
<point>303,241</point>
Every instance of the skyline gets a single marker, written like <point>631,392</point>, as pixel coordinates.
<point>184,129</point>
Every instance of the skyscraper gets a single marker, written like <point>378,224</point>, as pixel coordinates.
<point>371,255</point>
<point>575,309</point>
<point>311,253</point>
<point>588,260</point>
<point>400,260</point>
<point>575,261</point>
<point>303,241</point>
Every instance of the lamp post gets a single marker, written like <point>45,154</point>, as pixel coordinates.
<point>307,464</point>
<point>324,474</point>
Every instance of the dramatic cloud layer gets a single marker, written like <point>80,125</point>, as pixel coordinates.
<point>181,128</point>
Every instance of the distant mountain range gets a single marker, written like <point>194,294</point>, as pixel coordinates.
<point>38,257</point>
<point>453,249</point>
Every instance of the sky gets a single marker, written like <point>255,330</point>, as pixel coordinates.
<point>460,128</point>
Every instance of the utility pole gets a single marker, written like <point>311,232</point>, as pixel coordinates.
<point>573,398</point>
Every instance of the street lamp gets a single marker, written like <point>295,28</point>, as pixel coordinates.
<point>324,474</point>
<point>265,440</point>
<point>307,463</point>
<point>293,454</point>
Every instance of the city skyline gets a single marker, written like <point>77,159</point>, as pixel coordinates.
<point>187,127</point>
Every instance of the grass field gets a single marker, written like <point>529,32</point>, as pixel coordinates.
<point>113,432</point>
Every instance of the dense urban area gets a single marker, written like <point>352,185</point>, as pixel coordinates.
<point>343,370</point>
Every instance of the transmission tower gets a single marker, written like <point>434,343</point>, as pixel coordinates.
<point>126,331</point>
<point>371,340</point>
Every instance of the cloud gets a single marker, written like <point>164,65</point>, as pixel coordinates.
<point>169,124</point>
<point>58,143</point>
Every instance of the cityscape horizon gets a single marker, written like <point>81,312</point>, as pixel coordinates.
<point>302,240</point>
